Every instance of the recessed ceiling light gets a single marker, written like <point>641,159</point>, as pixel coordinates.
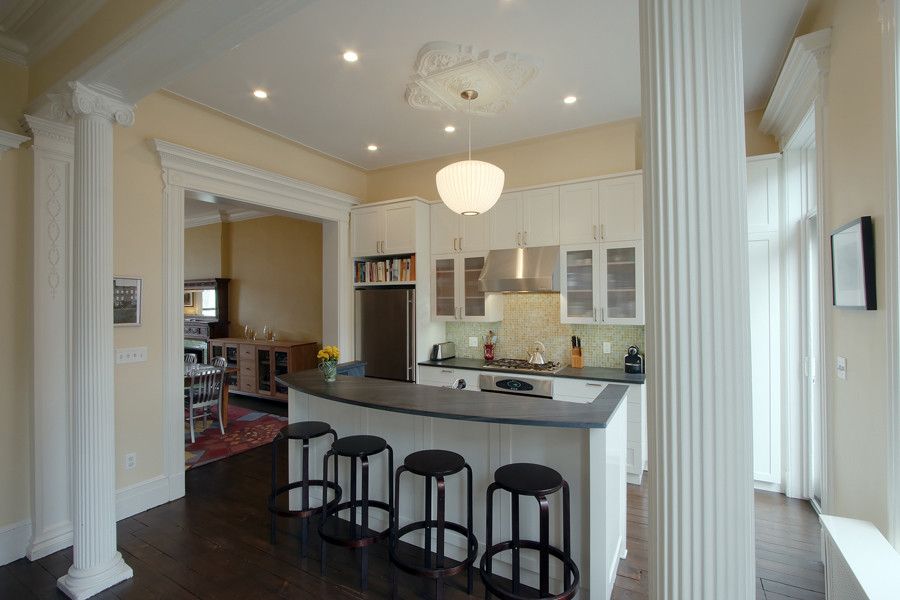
<point>449,128</point>
<point>351,56</point>
<point>570,99</point>
<point>372,147</point>
<point>261,94</point>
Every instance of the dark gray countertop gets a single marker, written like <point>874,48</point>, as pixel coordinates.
<point>591,373</point>
<point>445,403</point>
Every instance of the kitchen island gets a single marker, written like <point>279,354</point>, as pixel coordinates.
<point>585,442</point>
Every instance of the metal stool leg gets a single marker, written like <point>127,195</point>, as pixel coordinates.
<point>353,510</point>
<point>272,517</point>
<point>428,521</point>
<point>567,534</point>
<point>544,565</point>
<point>516,575</point>
<point>489,530</point>
<point>304,525</point>
<point>364,551</point>
<point>441,499</point>
<point>470,572</point>
<point>395,525</point>
<point>325,505</point>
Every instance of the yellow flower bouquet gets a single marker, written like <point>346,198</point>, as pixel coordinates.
<point>328,359</point>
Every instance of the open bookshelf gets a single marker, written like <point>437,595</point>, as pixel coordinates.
<point>392,270</point>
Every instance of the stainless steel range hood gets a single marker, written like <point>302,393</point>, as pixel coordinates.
<point>521,270</point>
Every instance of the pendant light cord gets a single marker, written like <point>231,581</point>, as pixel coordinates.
<point>469,114</point>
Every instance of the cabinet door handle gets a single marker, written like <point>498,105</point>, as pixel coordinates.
<point>602,231</point>
<point>460,244</point>
<point>600,385</point>
<point>594,229</point>
<point>447,371</point>
<point>595,313</point>
<point>518,239</point>
<point>524,238</point>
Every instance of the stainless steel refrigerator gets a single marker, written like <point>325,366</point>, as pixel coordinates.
<point>386,332</point>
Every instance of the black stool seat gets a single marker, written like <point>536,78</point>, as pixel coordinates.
<point>436,463</point>
<point>528,479</point>
<point>359,445</point>
<point>305,430</point>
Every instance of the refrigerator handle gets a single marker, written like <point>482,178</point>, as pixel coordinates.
<point>411,328</point>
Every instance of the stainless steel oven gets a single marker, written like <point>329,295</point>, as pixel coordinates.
<point>515,384</point>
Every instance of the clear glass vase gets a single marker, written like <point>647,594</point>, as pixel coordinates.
<point>329,369</point>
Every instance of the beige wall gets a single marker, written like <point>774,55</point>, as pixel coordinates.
<point>600,150</point>
<point>203,251</point>
<point>275,267</point>
<point>138,242</point>
<point>853,187</point>
<point>15,305</point>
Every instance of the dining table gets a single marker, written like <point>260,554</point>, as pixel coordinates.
<point>228,371</point>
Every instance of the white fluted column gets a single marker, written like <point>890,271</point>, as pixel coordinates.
<point>97,563</point>
<point>701,494</point>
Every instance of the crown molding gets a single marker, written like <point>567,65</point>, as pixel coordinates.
<point>9,140</point>
<point>798,85</point>
<point>192,169</point>
<point>224,217</point>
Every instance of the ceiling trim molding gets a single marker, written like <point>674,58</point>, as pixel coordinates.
<point>62,30</point>
<point>799,84</point>
<point>192,169</point>
<point>224,217</point>
<point>13,51</point>
<point>9,140</point>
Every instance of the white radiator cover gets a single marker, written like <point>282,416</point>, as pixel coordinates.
<point>860,564</point>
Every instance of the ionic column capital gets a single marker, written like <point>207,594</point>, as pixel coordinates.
<point>91,100</point>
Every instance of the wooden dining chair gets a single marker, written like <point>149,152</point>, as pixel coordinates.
<point>204,393</point>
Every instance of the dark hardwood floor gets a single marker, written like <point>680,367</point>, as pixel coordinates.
<point>214,544</point>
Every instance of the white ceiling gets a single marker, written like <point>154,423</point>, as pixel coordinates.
<point>588,48</point>
<point>31,28</point>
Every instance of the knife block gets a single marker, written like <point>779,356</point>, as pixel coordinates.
<point>577,358</point>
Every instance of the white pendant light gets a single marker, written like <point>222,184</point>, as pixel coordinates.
<point>470,187</point>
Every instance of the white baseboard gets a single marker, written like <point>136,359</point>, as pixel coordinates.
<point>15,539</point>
<point>766,486</point>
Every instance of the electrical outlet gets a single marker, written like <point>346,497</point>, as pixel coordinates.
<point>473,341</point>
<point>131,355</point>
<point>841,367</point>
<point>130,461</point>
<point>607,347</point>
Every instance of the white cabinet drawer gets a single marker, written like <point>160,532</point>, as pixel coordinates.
<point>445,377</point>
<point>577,388</point>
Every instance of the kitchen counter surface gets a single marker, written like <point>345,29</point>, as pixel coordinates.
<point>590,373</point>
<point>489,407</point>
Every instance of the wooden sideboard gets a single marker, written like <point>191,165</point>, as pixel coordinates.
<point>258,362</point>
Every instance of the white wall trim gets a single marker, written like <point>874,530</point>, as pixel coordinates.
<point>186,169</point>
<point>14,539</point>
<point>797,85</point>
<point>890,9</point>
<point>9,140</point>
<point>243,215</point>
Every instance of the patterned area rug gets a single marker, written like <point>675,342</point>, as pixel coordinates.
<point>247,429</point>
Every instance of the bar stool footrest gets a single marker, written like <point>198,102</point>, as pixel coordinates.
<point>302,514</point>
<point>487,578</point>
<point>434,573</point>
<point>340,532</point>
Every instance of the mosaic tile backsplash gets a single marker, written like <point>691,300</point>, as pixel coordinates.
<point>535,317</point>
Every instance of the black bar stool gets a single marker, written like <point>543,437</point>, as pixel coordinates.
<point>339,532</point>
<point>436,464</point>
<point>537,481</point>
<point>302,431</point>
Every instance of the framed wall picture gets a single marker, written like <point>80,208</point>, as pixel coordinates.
<point>126,301</point>
<point>188,299</point>
<point>853,265</point>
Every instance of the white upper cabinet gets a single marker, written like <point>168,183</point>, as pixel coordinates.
<point>383,229</point>
<point>622,283</point>
<point>367,230</point>
<point>579,213</point>
<point>506,222</point>
<point>540,212</point>
<point>451,232</point>
<point>622,209</point>
<point>455,290</point>
<point>579,297</point>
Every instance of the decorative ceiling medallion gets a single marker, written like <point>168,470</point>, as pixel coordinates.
<point>444,69</point>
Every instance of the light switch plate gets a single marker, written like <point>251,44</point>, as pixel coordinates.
<point>473,341</point>
<point>841,367</point>
<point>131,355</point>
<point>130,461</point>
<point>607,348</point>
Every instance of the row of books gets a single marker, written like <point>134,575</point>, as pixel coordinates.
<point>386,270</point>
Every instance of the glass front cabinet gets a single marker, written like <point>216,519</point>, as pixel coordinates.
<point>455,293</point>
<point>602,283</point>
